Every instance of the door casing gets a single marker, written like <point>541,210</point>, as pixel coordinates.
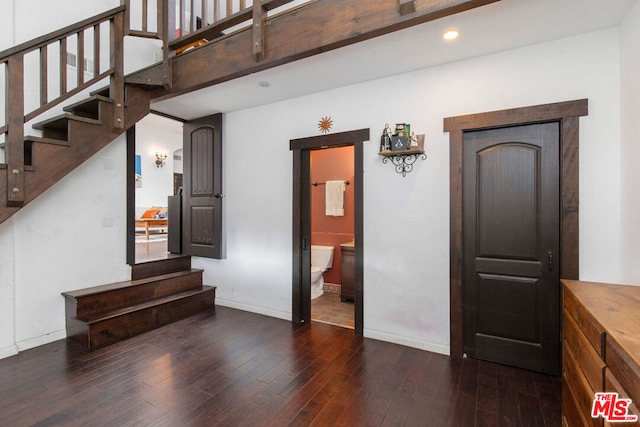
<point>567,114</point>
<point>301,236</point>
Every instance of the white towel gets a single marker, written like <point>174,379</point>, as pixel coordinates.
<point>334,198</point>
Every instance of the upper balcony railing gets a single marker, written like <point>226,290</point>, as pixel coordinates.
<point>182,24</point>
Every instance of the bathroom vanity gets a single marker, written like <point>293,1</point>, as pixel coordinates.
<point>347,288</point>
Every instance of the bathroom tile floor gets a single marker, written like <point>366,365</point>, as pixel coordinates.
<point>328,308</point>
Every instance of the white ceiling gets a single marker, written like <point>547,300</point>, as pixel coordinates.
<point>500,26</point>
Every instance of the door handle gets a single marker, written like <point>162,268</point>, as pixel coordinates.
<point>550,259</point>
<point>217,195</point>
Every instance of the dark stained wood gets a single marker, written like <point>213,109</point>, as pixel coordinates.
<point>524,115</point>
<point>301,235</point>
<point>105,298</point>
<point>232,367</point>
<point>200,67</point>
<point>511,293</point>
<point>347,283</point>
<point>202,179</point>
<point>44,82</point>
<point>569,187</point>
<point>91,137</point>
<point>155,268</point>
<point>259,30</point>
<point>358,174</point>
<point>59,34</point>
<point>67,94</point>
<point>131,196</point>
<point>116,89</point>
<point>301,238</point>
<point>80,57</point>
<point>14,152</point>
<point>565,113</point>
<point>455,243</point>
<point>162,292</point>
<point>145,13</point>
<point>63,66</point>
<point>338,139</point>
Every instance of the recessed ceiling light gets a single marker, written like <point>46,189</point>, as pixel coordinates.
<point>451,35</point>
<point>263,83</point>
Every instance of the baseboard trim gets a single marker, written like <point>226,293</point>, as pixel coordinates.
<point>41,340</point>
<point>408,342</point>
<point>254,309</point>
<point>5,352</point>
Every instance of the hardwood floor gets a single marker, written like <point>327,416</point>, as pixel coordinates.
<point>151,250</point>
<point>234,368</point>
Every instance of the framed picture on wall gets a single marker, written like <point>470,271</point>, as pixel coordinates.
<point>138,171</point>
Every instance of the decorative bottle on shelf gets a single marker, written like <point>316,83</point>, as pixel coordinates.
<point>385,139</point>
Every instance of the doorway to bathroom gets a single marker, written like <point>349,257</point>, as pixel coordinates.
<point>332,236</point>
<point>347,242</point>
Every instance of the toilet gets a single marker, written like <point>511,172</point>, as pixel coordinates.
<point>321,261</point>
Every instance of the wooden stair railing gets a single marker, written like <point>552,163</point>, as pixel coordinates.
<point>13,60</point>
<point>85,127</point>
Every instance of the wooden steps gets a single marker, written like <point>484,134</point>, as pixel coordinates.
<point>70,139</point>
<point>159,293</point>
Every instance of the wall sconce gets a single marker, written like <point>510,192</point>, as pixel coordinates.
<point>160,159</point>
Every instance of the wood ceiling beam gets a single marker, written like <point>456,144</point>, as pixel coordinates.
<point>307,30</point>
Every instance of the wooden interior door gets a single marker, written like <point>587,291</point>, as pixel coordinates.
<point>202,192</point>
<point>511,229</point>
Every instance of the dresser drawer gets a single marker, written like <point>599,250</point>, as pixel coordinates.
<point>572,416</point>
<point>589,361</point>
<point>592,330</point>
<point>611,383</point>
<point>624,368</point>
<point>581,390</point>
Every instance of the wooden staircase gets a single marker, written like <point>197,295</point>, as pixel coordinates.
<point>70,139</point>
<point>159,293</point>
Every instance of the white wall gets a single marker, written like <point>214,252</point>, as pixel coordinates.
<point>630,153</point>
<point>157,183</point>
<point>60,241</point>
<point>406,261</point>
<point>70,237</point>
<point>73,236</point>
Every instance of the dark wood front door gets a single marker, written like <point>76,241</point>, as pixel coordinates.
<point>511,229</point>
<point>202,180</point>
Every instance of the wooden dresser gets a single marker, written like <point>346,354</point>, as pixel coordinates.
<point>601,348</point>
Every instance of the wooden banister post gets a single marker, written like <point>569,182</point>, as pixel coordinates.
<point>258,38</point>
<point>127,15</point>
<point>117,78</point>
<point>15,130</point>
<point>166,24</point>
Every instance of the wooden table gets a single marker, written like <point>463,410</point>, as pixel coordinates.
<point>151,222</point>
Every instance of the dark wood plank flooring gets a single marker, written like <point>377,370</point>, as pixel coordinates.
<point>233,368</point>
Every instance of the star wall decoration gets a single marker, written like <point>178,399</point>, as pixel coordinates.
<point>325,124</point>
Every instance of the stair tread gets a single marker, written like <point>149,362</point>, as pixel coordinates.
<point>103,91</point>
<point>98,317</point>
<point>27,168</point>
<point>43,140</point>
<point>60,122</point>
<point>79,293</point>
<point>86,104</point>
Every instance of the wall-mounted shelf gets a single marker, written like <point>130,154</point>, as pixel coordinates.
<point>403,160</point>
